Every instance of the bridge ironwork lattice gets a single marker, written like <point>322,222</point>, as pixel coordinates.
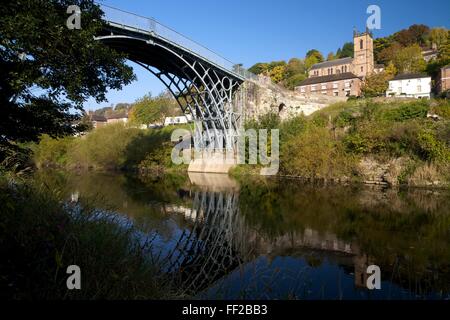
<point>202,82</point>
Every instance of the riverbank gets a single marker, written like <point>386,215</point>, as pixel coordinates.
<point>381,141</point>
<point>113,147</point>
<point>43,234</point>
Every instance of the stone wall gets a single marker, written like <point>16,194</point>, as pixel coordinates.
<point>256,98</point>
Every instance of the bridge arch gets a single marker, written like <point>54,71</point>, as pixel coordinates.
<point>201,89</point>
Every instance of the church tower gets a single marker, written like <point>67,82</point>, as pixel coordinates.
<point>363,61</point>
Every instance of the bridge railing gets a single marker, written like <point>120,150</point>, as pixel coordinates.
<point>145,24</point>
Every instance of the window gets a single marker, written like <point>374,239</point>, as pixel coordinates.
<point>331,70</point>
<point>342,69</point>
<point>361,44</point>
<point>347,84</point>
<point>335,85</point>
<point>313,88</point>
<point>362,69</point>
<point>419,88</point>
<point>345,68</point>
<point>324,86</point>
<point>336,93</point>
<point>302,89</point>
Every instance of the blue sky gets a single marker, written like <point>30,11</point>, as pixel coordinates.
<point>250,31</point>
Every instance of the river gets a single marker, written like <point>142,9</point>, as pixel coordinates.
<point>280,239</point>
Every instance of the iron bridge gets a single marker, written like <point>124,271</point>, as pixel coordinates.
<point>202,82</point>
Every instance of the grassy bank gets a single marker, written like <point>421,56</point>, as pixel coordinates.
<point>112,147</point>
<point>375,141</point>
<point>41,237</point>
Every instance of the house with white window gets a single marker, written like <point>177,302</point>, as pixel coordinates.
<point>178,120</point>
<point>411,85</point>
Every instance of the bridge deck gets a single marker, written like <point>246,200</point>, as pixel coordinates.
<point>150,28</point>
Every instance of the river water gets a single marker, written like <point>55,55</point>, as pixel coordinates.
<point>280,239</point>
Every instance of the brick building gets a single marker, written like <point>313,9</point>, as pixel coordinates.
<point>337,85</point>
<point>343,77</point>
<point>443,81</point>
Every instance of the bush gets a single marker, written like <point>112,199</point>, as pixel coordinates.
<point>314,154</point>
<point>432,148</point>
<point>406,111</point>
<point>52,152</point>
<point>114,146</point>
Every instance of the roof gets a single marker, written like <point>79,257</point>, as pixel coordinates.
<point>329,78</point>
<point>379,66</point>
<point>97,118</point>
<point>332,63</point>
<point>406,76</point>
<point>118,116</point>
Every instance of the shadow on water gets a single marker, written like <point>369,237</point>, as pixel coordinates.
<point>278,238</point>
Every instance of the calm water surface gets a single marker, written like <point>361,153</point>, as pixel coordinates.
<point>280,239</point>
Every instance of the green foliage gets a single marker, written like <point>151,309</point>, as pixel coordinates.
<point>346,51</point>
<point>48,70</point>
<point>315,53</point>
<point>52,152</point>
<point>148,110</point>
<point>343,119</point>
<point>433,148</point>
<point>314,154</point>
<point>409,59</point>
<point>295,80</point>
<point>115,146</point>
<point>406,111</point>
<point>375,85</point>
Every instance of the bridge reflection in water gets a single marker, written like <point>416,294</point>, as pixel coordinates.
<point>221,239</point>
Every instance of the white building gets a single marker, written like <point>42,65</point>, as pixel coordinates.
<point>177,120</point>
<point>410,86</point>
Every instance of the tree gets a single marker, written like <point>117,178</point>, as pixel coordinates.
<point>259,68</point>
<point>388,53</point>
<point>49,70</point>
<point>277,74</point>
<point>315,53</point>
<point>438,37</point>
<point>415,34</point>
<point>380,44</point>
<point>295,80</point>
<point>376,84</point>
<point>148,109</point>
<point>331,56</point>
<point>409,59</point>
<point>295,66</point>
<point>346,51</point>
<point>391,70</point>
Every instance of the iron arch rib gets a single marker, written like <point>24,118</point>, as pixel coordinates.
<point>200,88</point>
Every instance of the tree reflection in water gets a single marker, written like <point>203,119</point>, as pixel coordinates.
<point>283,239</point>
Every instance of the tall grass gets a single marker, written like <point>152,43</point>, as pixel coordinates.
<point>40,237</point>
<point>114,146</point>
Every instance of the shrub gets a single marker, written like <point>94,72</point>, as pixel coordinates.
<point>314,154</point>
<point>406,111</point>
<point>432,148</point>
<point>52,152</point>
